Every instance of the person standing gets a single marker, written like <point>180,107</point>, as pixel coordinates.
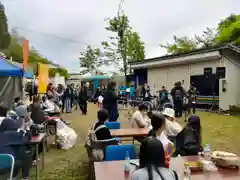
<point>192,98</point>
<point>76,97</point>
<point>83,98</point>
<point>123,89</point>
<point>110,101</point>
<point>163,95</point>
<point>67,99</point>
<point>146,92</point>
<point>178,93</point>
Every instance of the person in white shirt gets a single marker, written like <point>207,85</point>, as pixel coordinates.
<point>172,126</point>
<point>138,120</point>
<point>100,101</point>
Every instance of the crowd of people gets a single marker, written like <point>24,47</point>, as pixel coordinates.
<point>15,125</point>
<point>164,130</point>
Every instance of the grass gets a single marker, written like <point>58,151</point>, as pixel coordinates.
<point>220,131</point>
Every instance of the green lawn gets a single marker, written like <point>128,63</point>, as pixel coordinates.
<point>218,130</point>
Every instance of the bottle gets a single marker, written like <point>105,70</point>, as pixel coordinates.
<point>187,171</point>
<point>127,164</point>
<point>207,152</point>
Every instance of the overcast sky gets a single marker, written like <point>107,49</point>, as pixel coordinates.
<point>61,29</point>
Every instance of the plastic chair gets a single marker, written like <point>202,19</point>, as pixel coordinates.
<point>113,125</point>
<point>7,163</point>
<point>118,152</point>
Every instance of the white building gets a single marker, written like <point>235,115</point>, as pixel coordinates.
<point>188,67</point>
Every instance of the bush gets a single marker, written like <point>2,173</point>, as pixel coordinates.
<point>235,109</point>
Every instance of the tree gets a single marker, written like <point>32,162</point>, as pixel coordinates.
<point>180,45</point>
<point>229,30</point>
<point>15,51</point>
<point>90,60</point>
<point>124,46</point>
<point>207,39</point>
<point>4,34</point>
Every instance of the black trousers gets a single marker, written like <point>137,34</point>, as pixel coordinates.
<point>83,107</point>
<point>178,107</point>
<point>23,161</point>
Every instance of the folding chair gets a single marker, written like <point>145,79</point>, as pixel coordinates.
<point>113,125</point>
<point>7,163</point>
<point>118,152</point>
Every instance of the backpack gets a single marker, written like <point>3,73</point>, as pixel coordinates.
<point>97,154</point>
<point>178,94</point>
<point>191,144</point>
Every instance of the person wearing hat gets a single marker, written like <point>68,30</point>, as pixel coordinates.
<point>172,126</point>
<point>23,114</point>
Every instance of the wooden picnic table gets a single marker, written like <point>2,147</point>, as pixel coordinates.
<point>130,132</point>
<point>109,170</point>
<point>36,141</point>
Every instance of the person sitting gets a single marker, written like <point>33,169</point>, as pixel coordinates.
<point>50,107</point>
<point>37,114</point>
<point>8,123</point>
<point>158,122</point>
<point>152,162</point>
<point>16,100</point>
<point>172,127</point>
<point>138,120</point>
<point>23,114</point>
<point>188,141</point>
<point>15,142</point>
<point>102,132</point>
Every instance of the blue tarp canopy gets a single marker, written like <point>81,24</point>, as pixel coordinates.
<point>8,69</point>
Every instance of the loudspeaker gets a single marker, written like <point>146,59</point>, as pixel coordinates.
<point>207,72</point>
<point>221,72</point>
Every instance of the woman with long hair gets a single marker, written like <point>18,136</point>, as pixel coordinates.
<point>110,101</point>
<point>152,162</point>
<point>188,141</point>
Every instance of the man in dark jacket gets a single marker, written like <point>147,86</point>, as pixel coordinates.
<point>16,144</point>
<point>178,93</point>
<point>110,102</point>
<point>83,98</point>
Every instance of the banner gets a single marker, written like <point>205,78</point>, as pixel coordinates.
<point>42,78</point>
<point>25,53</point>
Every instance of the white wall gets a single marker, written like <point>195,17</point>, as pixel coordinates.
<point>232,94</point>
<point>167,76</point>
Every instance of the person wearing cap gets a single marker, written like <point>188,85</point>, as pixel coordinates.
<point>172,126</point>
<point>23,114</point>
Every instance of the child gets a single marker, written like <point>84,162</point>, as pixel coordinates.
<point>100,100</point>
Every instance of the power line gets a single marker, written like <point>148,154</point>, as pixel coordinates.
<point>68,39</point>
<point>53,36</point>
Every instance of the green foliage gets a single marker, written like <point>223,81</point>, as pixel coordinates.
<point>124,46</point>
<point>181,44</point>
<point>207,39</point>
<point>90,60</point>
<point>4,34</point>
<point>229,30</point>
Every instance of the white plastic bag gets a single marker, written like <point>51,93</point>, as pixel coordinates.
<point>67,137</point>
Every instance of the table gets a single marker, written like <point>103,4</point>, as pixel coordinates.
<point>36,141</point>
<point>115,169</point>
<point>130,132</point>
